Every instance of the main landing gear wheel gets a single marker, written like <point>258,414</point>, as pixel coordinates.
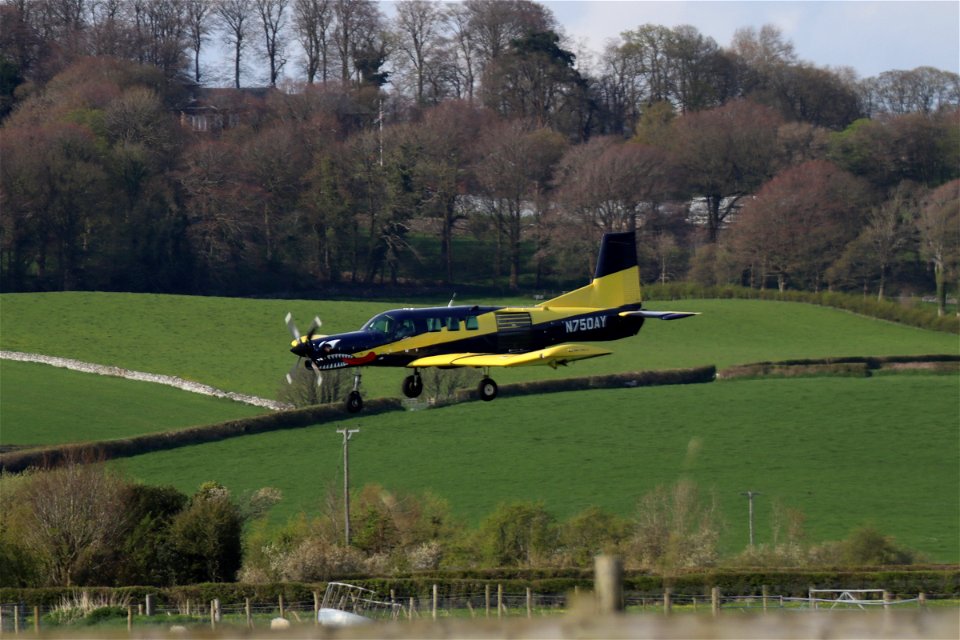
<point>487,389</point>
<point>413,386</point>
<point>354,402</point>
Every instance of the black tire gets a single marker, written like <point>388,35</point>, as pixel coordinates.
<point>487,389</point>
<point>412,386</point>
<point>354,402</point>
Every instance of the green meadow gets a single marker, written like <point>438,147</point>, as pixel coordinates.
<point>243,345</point>
<point>845,451</point>
<point>46,405</point>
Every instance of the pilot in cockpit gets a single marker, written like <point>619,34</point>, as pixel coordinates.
<point>404,328</point>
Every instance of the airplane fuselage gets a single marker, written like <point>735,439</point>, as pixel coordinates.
<point>398,337</point>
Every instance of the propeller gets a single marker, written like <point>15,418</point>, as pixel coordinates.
<point>311,333</point>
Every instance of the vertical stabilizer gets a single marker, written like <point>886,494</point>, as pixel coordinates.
<point>616,281</point>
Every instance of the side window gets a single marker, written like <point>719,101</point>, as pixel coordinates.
<point>472,324</point>
<point>453,324</point>
<point>434,324</point>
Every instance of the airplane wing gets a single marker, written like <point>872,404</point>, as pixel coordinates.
<point>559,354</point>
<point>660,315</point>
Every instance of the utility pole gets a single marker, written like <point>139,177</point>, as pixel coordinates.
<point>750,495</point>
<point>347,433</point>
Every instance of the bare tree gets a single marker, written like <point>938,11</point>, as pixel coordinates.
<point>939,226</point>
<point>675,528</point>
<point>235,17</point>
<point>517,168</point>
<point>464,48</point>
<point>419,26</point>
<point>885,234</point>
<point>356,21</point>
<point>75,514</point>
<point>725,153</point>
<point>313,21</point>
<point>272,20</point>
<point>198,28</point>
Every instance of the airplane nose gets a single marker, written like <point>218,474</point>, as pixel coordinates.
<point>301,350</point>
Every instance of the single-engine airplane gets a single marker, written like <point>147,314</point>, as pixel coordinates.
<point>609,308</point>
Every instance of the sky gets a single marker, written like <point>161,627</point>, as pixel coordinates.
<point>869,36</point>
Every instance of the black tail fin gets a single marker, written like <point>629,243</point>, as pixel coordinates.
<point>618,251</point>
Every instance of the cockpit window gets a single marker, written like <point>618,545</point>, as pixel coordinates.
<point>383,323</point>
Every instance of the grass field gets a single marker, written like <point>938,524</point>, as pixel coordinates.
<point>46,405</point>
<point>845,451</point>
<point>242,345</point>
<point>883,450</point>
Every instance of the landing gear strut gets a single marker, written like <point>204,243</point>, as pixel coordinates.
<point>413,385</point>
<point>354,401</point>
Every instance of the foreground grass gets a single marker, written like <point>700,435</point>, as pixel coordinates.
<point>46,405</point>
<point>242,345</point>
<point>845,451</point>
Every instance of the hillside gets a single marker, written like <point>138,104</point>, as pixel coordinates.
<point>242,345</point>
<point>844,451</point>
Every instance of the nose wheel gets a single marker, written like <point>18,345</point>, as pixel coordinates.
<point>354,400</point>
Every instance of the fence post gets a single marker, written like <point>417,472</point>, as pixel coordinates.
<point>316,608</point>
<point>248,612</point>
<point>765,593</point>
<point>280,599</point>
<point>667,603</point>
<point>433,609</point>
<point>139,608</point>
<point>129,618</point>
<point>149,604</point>
<point>410,610</point>
<point>529,603</point>
<point>499,600</point>
<point>922,599</point>
<point>486,598</point>
<point>36,620</point>
<point>715,600</point>
<point>887,599</point>
<point>608,579</point>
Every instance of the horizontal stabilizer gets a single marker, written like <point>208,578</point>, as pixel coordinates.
<point>659,315</point>
<point>553,356</point>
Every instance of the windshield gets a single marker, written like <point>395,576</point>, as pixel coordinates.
<point>382,323</point>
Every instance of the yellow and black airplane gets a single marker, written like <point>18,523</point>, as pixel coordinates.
<point>484,337</point>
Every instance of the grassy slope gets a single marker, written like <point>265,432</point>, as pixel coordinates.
<point>45,405</point>
<point>845,451</point>
<point>242,345</point>
<point>858,449</point>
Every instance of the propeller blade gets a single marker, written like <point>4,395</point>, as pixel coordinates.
<point>316,370</point>
<point>292,327</point>
<point>317,323</point>
<point>292,371</point>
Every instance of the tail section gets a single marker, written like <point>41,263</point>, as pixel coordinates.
<point>616,281</point>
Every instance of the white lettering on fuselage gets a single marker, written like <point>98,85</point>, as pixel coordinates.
<point>585,324</point>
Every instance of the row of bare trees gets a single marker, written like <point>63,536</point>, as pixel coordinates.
<point>102,187</point>
<point>509,54</point>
